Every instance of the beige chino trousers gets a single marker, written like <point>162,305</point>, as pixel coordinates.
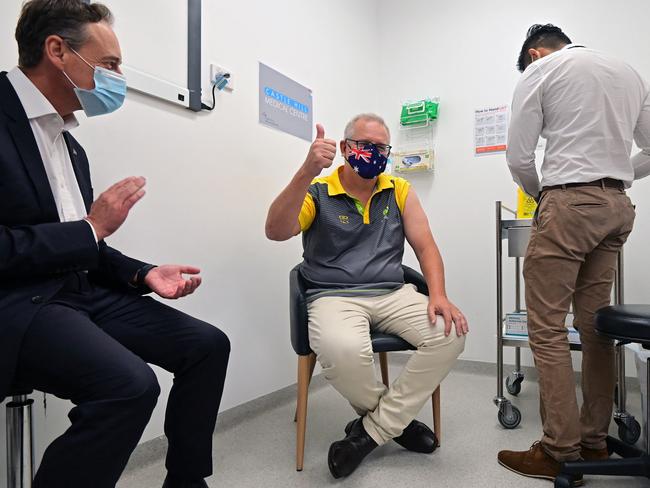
<point>339,334</point>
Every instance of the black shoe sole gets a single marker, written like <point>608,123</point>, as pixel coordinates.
<point>579,482</point>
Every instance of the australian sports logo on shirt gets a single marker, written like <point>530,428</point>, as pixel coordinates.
<point>345,219</point>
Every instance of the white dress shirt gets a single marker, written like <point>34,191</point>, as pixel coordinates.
<point>589,107</point>
<point>48,128</point>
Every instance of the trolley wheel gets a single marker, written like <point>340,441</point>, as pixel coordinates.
<point>629,432</point>
<point>513,385</point>
<point>509,421</point>
<point>564,481</point>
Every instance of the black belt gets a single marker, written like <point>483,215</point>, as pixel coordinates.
<point>603,182</point>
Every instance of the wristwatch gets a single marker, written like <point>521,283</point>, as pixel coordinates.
<point>141,274</point>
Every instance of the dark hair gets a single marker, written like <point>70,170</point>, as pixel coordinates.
<point>548,36</point>
<point>66,18</point>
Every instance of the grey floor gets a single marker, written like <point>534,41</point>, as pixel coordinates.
<point>255,444</point>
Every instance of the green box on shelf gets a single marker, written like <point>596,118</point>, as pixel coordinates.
<point>419,113</point>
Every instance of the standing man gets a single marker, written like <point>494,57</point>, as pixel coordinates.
<point>353,223</point>
<point>73,321</point>
<point>590,107</point>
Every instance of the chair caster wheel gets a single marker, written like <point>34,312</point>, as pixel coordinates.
<point>629,432</point>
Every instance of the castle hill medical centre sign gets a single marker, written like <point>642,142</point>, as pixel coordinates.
<point>285,104</point>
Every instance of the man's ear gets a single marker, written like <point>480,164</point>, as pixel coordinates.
<point>54,51</point>
<point>534,54</point>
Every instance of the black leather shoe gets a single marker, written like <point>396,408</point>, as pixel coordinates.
<point>346,455</point>
<point>172,481</point>
<point>416,437</point>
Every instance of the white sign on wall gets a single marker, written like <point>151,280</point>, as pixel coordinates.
<point>285,104</point>
<point>490,130</point>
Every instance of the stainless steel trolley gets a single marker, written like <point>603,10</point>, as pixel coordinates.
<point>517,233</point>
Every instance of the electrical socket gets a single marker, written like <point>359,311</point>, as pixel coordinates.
<point>215,70</point>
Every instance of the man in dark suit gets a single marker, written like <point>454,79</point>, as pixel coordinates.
<point>73,321</point>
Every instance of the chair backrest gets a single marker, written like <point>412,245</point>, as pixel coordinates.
<point>298,316</point>
<point>415,278</point>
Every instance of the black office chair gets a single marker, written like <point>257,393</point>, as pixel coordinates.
<point>381,344</point>
<point>20,439</point>
<point>626,324</point>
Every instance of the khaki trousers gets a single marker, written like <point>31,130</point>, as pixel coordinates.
<point>339,334</point>
<point>571,257</point>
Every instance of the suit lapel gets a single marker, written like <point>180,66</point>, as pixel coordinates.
<point>23,137</point>
<point>82,178</point>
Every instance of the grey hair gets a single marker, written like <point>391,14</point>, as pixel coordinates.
<point>349,128</point>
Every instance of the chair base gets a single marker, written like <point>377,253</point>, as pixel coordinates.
<point>633,463</point>
<point>20,442</point>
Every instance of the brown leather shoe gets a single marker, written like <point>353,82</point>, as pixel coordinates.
<point>594,454</point>
<point>534,463</point>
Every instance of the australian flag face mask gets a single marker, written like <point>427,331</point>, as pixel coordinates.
<point>367,161</point>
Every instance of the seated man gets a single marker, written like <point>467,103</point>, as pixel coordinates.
<point>73,322</point>
<point>354,222</point>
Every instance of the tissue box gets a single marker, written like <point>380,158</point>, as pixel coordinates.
<point>517,325</point>
<point>413,161</point>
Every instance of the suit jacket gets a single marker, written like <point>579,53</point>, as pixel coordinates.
<point>37,251</point>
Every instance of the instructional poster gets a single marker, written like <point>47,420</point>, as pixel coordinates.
<point>490,130</point>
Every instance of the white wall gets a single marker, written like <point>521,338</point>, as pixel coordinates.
<point>465,52</point>
<point>212,176</point>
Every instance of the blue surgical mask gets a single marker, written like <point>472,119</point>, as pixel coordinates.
<point>367,162</point>
<point>107,96</point>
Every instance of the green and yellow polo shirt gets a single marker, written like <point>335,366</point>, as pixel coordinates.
<point>349,248</point>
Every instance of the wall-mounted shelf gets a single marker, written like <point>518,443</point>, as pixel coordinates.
<point>414,151</point>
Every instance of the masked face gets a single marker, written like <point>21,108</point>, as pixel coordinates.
<point>368,160</point>
<point>107,96</point>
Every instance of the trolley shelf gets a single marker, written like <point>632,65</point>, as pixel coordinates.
<point>522,341</point>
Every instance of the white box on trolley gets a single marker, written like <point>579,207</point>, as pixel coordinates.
<point>516,324</point>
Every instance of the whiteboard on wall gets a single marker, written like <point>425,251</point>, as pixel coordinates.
<point>153,36</point>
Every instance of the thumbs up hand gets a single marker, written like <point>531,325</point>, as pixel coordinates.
<point>321,153</point>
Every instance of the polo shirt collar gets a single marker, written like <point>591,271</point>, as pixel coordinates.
<point>334,186</point>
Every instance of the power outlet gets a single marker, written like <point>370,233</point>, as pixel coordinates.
<point>215,70</point>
